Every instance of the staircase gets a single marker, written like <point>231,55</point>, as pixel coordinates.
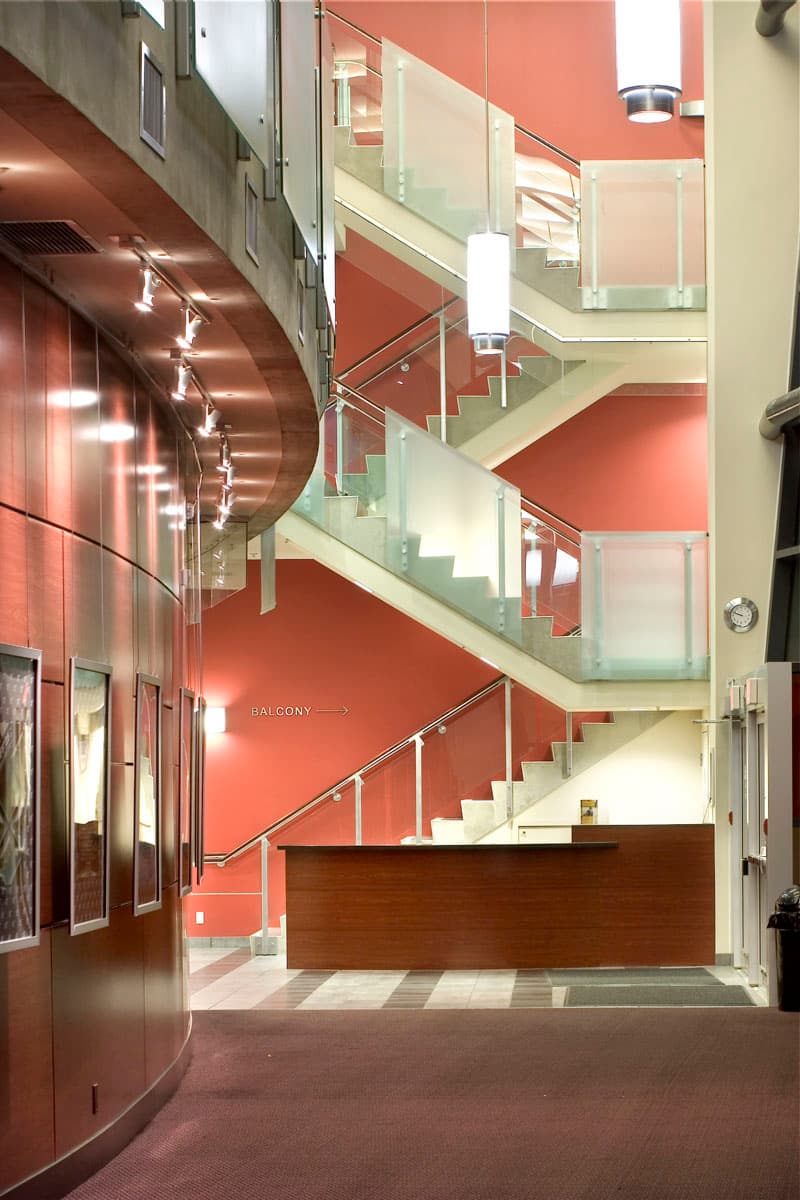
<point>547,207</point>
<point>480,818</point>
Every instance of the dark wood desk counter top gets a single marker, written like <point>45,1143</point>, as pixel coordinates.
<point>524,847</point>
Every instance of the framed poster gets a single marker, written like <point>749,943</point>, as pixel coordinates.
<point>147,796</point>
<point>20,787</point>
<point>89,794</point>
<point>187,763</point>
<point>200,785</point>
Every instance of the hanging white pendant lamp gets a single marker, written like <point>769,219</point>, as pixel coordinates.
<point>649,57</point>
<point>488,291</point>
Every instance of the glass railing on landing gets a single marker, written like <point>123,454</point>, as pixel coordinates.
<point>593,235</point>
<point>429,515</point>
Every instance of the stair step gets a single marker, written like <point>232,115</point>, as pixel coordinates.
<point>448,831</point>
<point>364,162</point>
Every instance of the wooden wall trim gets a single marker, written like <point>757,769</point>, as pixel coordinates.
<point>67,1172</point>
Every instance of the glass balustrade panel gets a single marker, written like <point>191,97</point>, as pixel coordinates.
<point>230,37</point>
<point>435,148</point>
<point>460,759</point>
<point>642,234</point>
<point>551,564</point>
<point>642,606</point>
<point>453,527</point>
<point>388,800</point>
<point>357,77</point>
<point>548,193</point>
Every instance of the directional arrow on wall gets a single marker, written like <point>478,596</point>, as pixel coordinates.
<point>343,711</point>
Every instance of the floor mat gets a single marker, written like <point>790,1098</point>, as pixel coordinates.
<point>671,996</point>
<point>602,976</point>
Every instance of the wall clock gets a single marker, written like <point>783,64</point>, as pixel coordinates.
<point>740,614</point>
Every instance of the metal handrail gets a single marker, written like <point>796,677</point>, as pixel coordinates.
<point>380,419</point>
<point>351,25</point>
<point>251,843</point>
<point>517,127</point>
<point>780,413</point>
<point>437,312</point>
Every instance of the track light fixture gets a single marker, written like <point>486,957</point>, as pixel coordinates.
<point>150,285</point>
<point>184,379</point>
<point>224,455</point>
<point>211,417</point>
<point>192,322</point>
<point>648,58</point>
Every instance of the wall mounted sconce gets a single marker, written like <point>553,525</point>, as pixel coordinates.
<point>215,720</point>
<point>648,58</point>
<point>150,285</point>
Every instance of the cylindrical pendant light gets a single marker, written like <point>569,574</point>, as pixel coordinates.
<point>488,256</point>
<point>488,291</point>
<point>649,57</point>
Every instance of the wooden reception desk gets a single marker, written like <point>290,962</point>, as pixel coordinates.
<point>617,895</point>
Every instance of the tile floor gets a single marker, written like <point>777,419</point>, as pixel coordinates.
<point>225,977</point>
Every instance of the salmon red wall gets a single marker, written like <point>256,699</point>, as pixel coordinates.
<point>551,65</point>
<point>635,459</point>
<point>328,645</point>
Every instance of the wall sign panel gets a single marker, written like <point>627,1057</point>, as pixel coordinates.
<point>147,796</point>
<point>89,793</point>
<point>20,742</point>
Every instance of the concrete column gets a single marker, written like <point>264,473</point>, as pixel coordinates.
<point>753,221</point>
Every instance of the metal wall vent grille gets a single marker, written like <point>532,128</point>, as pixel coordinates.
<point>47,237</point>
<point>153,104</point>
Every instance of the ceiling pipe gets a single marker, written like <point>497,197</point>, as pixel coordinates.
<point>771,15</point>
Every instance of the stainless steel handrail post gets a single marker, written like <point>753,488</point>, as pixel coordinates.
<point>339,447</point>
<point>418,744</point>
<point>501,560</point>
<point>509,752</point>
<point>443,375</point>
<point>403,467</point>
<point>688,603</point>
<point>566,767</point>
<point>503,377</point>
<point>679,222</point>
<point>401,133</point>
<point>264,894</point>
<point>359,782</point>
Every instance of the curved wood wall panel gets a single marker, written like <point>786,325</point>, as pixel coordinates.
<point>90,556</point>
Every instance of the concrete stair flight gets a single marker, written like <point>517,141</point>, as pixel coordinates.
<point>539,779</point>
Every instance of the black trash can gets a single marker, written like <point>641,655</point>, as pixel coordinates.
<point>786,923</point>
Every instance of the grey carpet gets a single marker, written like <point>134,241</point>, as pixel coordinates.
<point>602,976</point>
<point>672,996</point>
<point>567,1104</point>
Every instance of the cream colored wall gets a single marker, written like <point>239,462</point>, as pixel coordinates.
<point>752,101</point>
<point>655,779</point>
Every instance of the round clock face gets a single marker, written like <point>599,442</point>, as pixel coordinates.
<point>740,614</point>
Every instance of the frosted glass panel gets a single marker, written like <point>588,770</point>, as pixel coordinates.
<point>299,117</point>
<point>434,137</point>
<point>234,56</point>
<point>327,125</point>
<point>642,234</point>
<point>644,600</point>
<point>453,526</point>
